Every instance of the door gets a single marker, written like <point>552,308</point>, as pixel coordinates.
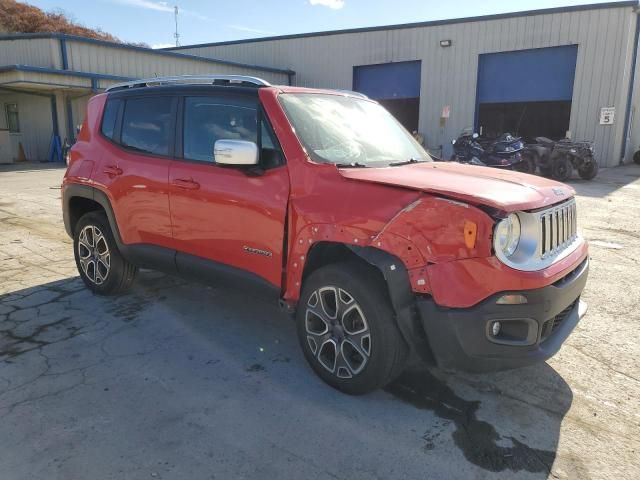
<point>230,215</point>
<point>526,92</point>
<point>396,86</point>
<point>135,166</point>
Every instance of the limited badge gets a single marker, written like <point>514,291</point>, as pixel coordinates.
<point>257,251</point>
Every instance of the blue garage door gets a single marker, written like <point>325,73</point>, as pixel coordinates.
<point>539,75</point>
<point>388,81</point>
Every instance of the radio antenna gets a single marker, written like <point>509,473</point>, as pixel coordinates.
<point>176,35</point>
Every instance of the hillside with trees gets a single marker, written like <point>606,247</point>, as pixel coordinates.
<point>16,17</point>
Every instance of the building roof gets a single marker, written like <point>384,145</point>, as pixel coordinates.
<point>433,23</point>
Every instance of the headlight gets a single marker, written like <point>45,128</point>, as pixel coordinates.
<point>507,235</point>
<point>531,241</point>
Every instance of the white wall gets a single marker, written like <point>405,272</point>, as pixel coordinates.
<point>36,125</point>
<point>605,46</point>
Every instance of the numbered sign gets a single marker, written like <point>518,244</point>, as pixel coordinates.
<point>606,115</point>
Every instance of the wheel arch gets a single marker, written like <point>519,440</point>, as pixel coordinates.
<point>392,272</point>
<point>391,269</point>
<point>81,199</point>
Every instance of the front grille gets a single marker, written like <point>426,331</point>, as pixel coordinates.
<point>552,324</point>
<point>558,228</point>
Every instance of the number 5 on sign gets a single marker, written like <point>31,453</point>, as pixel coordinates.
<point>606,115</point>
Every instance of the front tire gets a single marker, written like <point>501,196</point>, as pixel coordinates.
<point>561,169</point>
<point>347,328</point>
<point>588,171</point>
<point>101,265</point>
<point>527,165</point>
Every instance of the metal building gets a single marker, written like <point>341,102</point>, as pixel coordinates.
<point>47,79</point>
<point>555,72</point>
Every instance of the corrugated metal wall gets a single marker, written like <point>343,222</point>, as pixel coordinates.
<point>40,52</point>
<point>137,63</point>
<point>605,39</point>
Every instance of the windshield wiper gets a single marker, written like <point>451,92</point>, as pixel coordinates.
<point>351,165</point>
<point>406,162</point>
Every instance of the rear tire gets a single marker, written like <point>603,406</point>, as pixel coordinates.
<point>636,157</point>
<point>101,265</point>
<point>588,171</point>
<point>347,328</point>
<point>561,169</point>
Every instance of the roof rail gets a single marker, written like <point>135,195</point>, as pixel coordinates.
<point>240,80</point>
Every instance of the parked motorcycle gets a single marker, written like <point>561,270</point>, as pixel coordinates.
<point>558,159</point>
<point>502,152</point>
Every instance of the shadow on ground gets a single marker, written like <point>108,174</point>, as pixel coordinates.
<point>607,182</point>
<point>171,355</point>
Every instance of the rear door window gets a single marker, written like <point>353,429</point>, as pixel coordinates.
<point>147,124</point>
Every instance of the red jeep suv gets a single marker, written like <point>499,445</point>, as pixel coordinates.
<point>323,197</point>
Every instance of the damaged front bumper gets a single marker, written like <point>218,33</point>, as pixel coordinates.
<point>467,339</point>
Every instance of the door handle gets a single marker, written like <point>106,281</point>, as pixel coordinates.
<point>186,183</point>
<point>112,170</point>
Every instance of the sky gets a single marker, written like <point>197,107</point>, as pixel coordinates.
<point>202,21</point>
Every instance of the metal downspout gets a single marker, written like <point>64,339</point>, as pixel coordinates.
<point>627,114</point>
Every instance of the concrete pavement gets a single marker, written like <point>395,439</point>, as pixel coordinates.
<point>177,380</point>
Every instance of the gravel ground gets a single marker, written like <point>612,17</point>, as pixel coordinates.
<point>178,380</point>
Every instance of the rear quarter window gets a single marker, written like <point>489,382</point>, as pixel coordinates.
<point>109,118</point>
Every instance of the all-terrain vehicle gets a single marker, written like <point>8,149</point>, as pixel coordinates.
<point>559,159</point>
<point>324,198</point>
<point>504,152</point>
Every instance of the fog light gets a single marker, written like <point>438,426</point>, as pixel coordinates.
<point>512,300</point>
<point>495,328</point>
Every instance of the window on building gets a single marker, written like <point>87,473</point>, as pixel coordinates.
<point>13,118</point>
<point>146,124</point>
<point>109,118</point>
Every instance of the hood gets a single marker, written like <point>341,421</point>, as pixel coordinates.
<point>505,190</point>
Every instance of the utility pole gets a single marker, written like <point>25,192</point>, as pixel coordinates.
<point>176,35</point>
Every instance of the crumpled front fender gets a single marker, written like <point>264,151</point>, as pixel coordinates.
<point>436,226</point>
<point>428,231</point>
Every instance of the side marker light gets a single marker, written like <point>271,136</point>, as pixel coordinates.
<point>470,233</point>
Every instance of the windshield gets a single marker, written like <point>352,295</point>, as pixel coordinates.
<point>350,131</point>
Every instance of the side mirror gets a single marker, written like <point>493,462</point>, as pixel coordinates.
<point>474,136</point>
<point>235,152</point>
